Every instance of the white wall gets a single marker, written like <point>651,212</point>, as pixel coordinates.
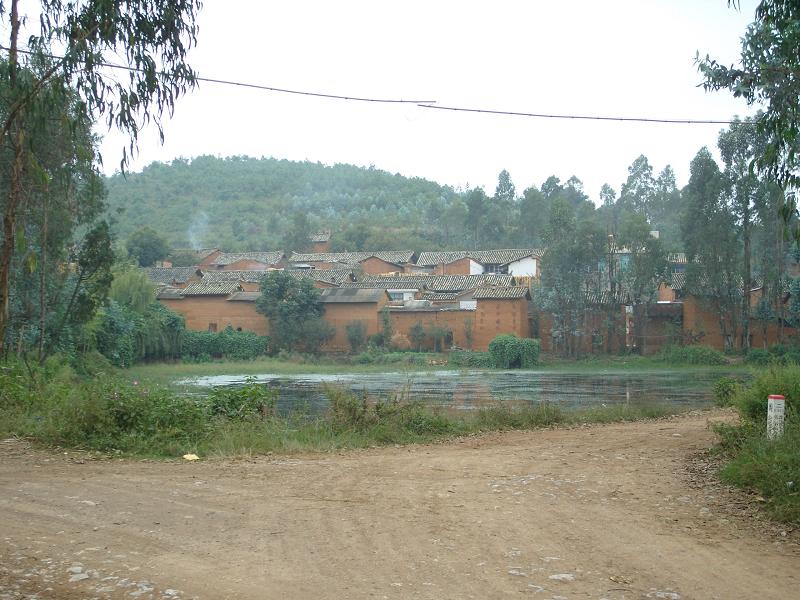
<point>523,267</point>
<point>475,268</point>
<point>468,304</point>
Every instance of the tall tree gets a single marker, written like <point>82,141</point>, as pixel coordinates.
<point>712,244</point>
<point>151,38</point>
<point>477,213</point>
<point>768,75</point>
<point>146,246</point>
<point>638,190</point>
<point>738,146</point>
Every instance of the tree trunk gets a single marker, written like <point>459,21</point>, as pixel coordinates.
<point>747,276</point>
<point>42,279</point>
<point>14,189</point>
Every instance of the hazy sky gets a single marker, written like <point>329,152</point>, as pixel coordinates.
<point>614,58</point>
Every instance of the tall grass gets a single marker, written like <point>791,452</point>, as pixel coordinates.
<point>110,415</point>
<point>770,468</point>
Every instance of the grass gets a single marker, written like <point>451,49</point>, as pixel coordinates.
<point>770,468</point>
<point>110,415</point>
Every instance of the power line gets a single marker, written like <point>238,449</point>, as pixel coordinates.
<point>580,117</point>
<point>421,103</point>
<point>254,85</point>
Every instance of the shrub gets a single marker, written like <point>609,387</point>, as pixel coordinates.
<point>229,343</point>
<point>468,358</point>
<point>758,356</point>
<point>751,400</point>
<point>725,389</point>
<point>416,335</point>
<point>511,352</point>
<point>239,402</point>
<point>692,355</point>
<point>356,335</point>
<point>400,342</point>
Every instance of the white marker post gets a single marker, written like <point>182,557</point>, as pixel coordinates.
<point>776,407</point>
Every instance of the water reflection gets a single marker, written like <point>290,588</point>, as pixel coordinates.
<point>467,390</point>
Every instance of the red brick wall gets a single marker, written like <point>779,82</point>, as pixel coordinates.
<point>454,320</point>
<point>494,317</point>
<point>200,311</point>
<point>457,267</point>
<point>341,314</point>
<point>376,266</point>
<point>208,260</point>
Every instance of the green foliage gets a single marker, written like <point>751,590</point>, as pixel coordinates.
<point>691,355</point>
<point>356,335</point>
<point>146,246</point>
<point>752,399</point>
<point>470,359</point>
<point>511,352</point>
<point>758,357</point>
<point>132,289</point>
<point>416,335</point>
<point>294,310</point>
<point>770,467</point>
<point>228,343</point>
<point>767,75</point>
<point>244,401</point>
<point>725,389</point>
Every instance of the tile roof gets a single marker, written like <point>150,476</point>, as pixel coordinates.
<point>244,296</point>
<point>320,236</point>
<point>501,293</point>
<point>170,274</point>
<point>491,257</point>
<point>267,258</point>
<point>335,276</point>
<point>168,292</point>
<point>223,288</point>
<point>223,276</point>
<point>396,257</point>
<point>436,283</point>
<point>441,296</point>
<point>351,295</point>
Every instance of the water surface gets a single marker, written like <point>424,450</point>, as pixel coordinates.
<point>467,390</point>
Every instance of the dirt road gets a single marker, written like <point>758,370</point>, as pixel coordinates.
<point>617,511</point>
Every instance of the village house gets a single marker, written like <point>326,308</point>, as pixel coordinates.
<point>351,305</point>
<point>522,262</point>
<point>178,277</point>
<point>247,261</point>
<point>388,261</point>
<point>320,242</point>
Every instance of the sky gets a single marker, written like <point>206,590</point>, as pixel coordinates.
<point>614,58</point>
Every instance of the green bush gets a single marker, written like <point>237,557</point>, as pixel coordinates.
<point>758,356</point>
<point>751,400</point>
<point>356,335</point>
<point>240,402</point>
<point>692,355</point>
<point>725,390</point>
<point>770,467</point>
<point>470,359</point>
<point>237,345</point>
<point>511,352</point>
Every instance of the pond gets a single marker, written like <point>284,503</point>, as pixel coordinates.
<point>468,390</point>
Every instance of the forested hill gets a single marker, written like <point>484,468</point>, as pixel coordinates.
<point>240,203</point>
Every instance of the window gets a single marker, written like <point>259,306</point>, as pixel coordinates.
<point>212,328</point>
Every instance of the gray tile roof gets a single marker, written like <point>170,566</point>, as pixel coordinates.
<point>244,296</point>
<point>485,257</point>
<point>202,288</point>
<point>352,295</point>
<point>501,293</point>
<point>436,283</point>
<point>334,276</point>
<point>267,258</point>
<point>396,257</point>
<point>224,276</point>
<point>170,274</point>
<point>677,258</point>
<point>167,293</point>
<point>320,236</point>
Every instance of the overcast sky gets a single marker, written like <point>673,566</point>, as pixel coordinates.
<point>613,58</point>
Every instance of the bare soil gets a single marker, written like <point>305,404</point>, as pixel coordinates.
<point>614,511</point>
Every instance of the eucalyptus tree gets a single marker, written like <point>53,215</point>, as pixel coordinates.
<point>712,245</point>
<point>767,75</point>
<point>739,145</point>
<point>67,52</point>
